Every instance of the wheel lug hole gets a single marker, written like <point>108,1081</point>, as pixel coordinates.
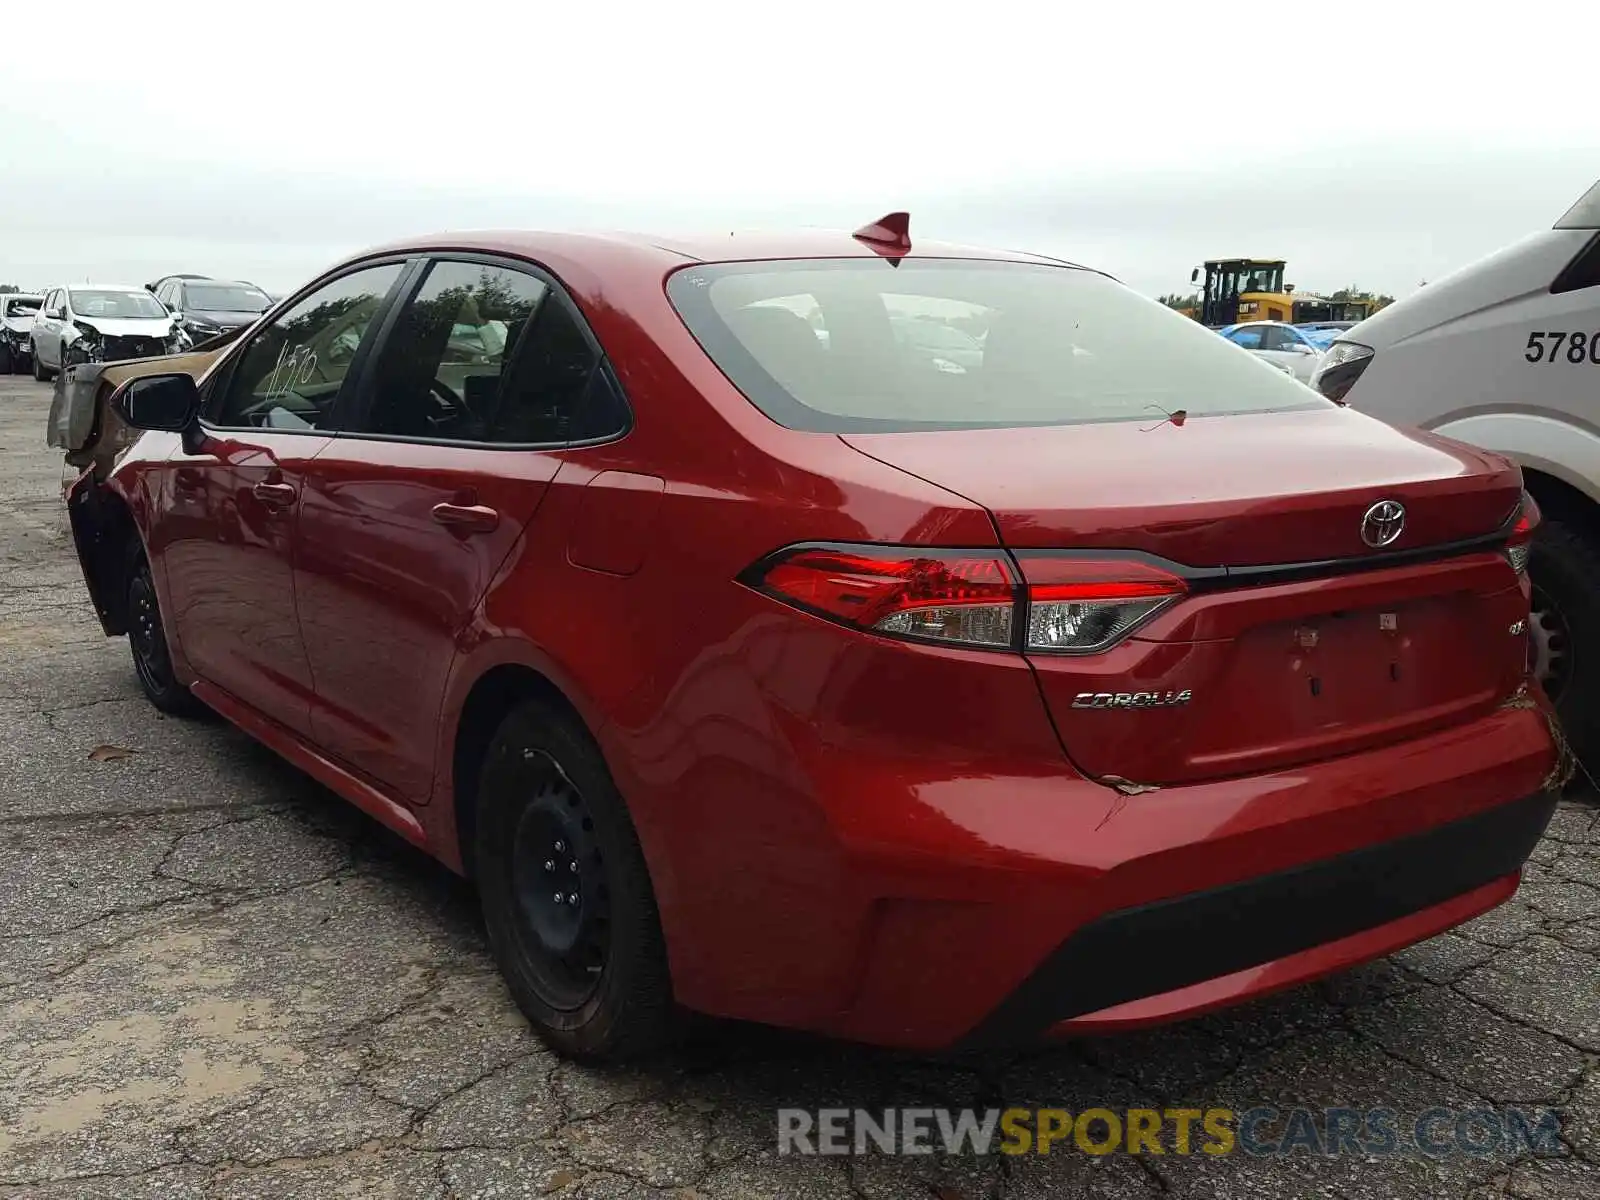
<point>549,865</point>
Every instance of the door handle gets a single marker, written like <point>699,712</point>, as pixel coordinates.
<point>468,518</point>
<point>274,495</point>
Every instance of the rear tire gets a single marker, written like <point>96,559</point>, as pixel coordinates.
<point>1565,569</point>
<point>147,639</point>
<point>566,894</point>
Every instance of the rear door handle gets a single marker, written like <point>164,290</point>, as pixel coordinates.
<point>275,495</point>
<point>468,518</point>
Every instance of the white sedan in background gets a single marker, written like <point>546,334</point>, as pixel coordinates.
<point>1295,351</point>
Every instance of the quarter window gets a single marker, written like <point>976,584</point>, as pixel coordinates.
<point>293,371</point>
<point>488,354</point>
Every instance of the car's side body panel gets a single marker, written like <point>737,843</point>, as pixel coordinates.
<point>385,590</point>
<point>226,542</point>
<point>1482,341</point>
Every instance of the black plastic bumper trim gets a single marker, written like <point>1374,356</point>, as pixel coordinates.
<point>1155,948</point>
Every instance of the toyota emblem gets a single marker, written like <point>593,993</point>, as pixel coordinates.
<point>1383,524</point>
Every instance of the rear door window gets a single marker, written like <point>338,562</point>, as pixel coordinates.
<point>490,355</point>
<point>864,344</point>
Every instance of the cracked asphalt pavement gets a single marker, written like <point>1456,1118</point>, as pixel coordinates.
<point>219,982</point>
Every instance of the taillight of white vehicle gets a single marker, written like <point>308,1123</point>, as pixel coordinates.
<point>1520,543</point>
<point>1341,366</point>
<point>1061,604</point>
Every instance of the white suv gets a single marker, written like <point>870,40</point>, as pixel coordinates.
<point>1505,354</point>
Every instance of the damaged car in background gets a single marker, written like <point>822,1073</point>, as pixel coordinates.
<point>101,322</point>
<point>17,311</point>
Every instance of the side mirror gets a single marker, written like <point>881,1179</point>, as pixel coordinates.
<point>53,314</point>
<point>170,403</point>
<point>1194,275</point>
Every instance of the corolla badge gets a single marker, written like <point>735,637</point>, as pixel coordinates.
<point>1132,699</point>
<point>1383,524</point>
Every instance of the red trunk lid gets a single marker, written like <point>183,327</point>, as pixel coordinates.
<point>1279,670</point>
<point>1236,490</point>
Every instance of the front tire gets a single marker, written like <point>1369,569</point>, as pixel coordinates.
<point>1564,567</point>
<point>566,894</point>
<point>39,373</point>
<point>147,638</point>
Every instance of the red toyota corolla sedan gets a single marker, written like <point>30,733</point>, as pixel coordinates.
<point>917,644</point>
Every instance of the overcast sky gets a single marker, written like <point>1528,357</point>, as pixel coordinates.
<point>1366,144</point>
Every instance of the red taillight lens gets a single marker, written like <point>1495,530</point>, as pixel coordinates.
<point>1519,544</point>
<point>1086,605</point>
<point>1063,604</point>
<point>959,597</point>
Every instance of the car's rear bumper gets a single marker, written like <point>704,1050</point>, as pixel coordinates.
<point>928,910</point>
<point>1198,950</point>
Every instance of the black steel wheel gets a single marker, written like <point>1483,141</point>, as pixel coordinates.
<point>147,639</point>
<point>566,893</point>
<point>1564,631</point>
<point>558,876</point>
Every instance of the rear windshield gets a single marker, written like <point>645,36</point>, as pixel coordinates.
<point>853,345</point>
<point>227,297</point>
<point>18,306</point>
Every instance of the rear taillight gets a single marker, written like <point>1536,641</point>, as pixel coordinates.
<point>1061,604</point>
<point>957,597</point>
<point>1520,544</point>
<point>1086,605</point>
<point>1341,365</point>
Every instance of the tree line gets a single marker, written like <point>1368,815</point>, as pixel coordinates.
<point>1192,300</point>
